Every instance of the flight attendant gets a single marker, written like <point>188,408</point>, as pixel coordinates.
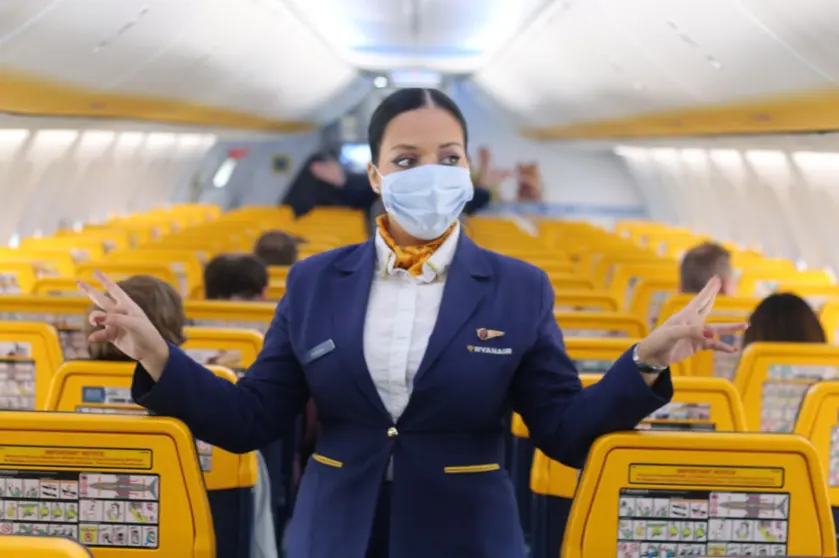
<point>414,346</point>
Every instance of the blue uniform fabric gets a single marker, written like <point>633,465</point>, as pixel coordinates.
<point>463,389</point>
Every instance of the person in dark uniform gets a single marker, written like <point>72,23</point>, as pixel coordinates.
<point>414,345</point>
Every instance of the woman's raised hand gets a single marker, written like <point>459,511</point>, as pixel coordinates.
<point>126,326</point>
<point>686,332</point>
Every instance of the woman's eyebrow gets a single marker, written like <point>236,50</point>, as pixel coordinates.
<point>404,146</point>
<point>450,144</point>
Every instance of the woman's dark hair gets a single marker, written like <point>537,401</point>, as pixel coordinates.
<point>785,318</point>
<point>404,100</point>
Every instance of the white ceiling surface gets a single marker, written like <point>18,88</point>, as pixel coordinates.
<point>595,59</point>
<point>248,55</point>
<point>444,35</point>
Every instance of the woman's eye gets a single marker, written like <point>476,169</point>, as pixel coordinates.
<point>450,160</point>
<point>404,162</point>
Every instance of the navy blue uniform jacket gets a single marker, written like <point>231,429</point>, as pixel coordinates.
<point>450,497</point>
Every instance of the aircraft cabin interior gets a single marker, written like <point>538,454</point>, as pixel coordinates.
<point>262,259</point>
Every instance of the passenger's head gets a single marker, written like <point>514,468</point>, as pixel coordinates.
<point>160,302</point>
<point>785,318</point>
<point>701,263</point>
<point>235,277</point>
<point>410,129</point>
<point>277,248</point>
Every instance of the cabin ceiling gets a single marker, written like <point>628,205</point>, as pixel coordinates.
<point>554,63</point>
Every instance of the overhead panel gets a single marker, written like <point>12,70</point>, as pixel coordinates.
<point>611,68</point>
<point>221,63</point>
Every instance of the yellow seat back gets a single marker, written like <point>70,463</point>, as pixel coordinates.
<point>65,314</point>
<point>698,404</point>
<point>60,286</point>
<point>226,314</point>
<point>118,271</point>
<point>235,349</point>
<point>113,482</point>
<point>829,318</point>
<point>818,421</point>
<point>761,283</point>
<point>600,324</point>
<point>648,296</point>
<point>627,276</point>
<point>17,277</point>
<point>772,379</point>
<point>98,387</point>
<point>695,493</point>
<point>585,301</point>
<point>29,355</point>
<point>30,546</point>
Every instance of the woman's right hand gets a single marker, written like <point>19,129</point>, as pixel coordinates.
<point>126,326</point>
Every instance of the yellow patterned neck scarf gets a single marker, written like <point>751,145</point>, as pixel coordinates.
<point>411,258</point>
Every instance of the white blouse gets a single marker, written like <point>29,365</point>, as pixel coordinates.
<point>401,314</point>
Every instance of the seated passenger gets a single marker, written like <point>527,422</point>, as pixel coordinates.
<point>703,262</point>
<point>161,303</point>
<point>784,318</point>
<point>235,277</point>
<point>163,306</point>
<point>277,248</point>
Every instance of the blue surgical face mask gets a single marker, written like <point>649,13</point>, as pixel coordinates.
<point>426,200</point>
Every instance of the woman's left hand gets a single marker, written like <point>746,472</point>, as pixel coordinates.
<point>686,332</point>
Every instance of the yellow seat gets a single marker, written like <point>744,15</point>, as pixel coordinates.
<point>570,282</point>
<point>45,262</point>
<point>65,314</point>
<point>227,314</point>
<point>23,546</point>
<point>760,283</point>
<point>648,296</point>
<point>716,494</point>
<point>81,249</point>
<point>275,291</point>
<point>235,349</point>
<point>600,324</point>
<point>724,306</point>
<point>829,318</point>
<point>815,295</point>
<point>29,355</point>
<point>17,277</point>
<point>627,276</point>
<point>185,264</point>
<point>104,387</point>
<point>585,300</point>
<point>698,404</point>
<point>114,481</point>
<point>772,379</point>
<point>60,286</point>
<point>818,421</point>
<point>278,272</point>
<point>119,270</point>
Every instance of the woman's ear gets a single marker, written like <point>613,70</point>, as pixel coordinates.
<point>375,178</point>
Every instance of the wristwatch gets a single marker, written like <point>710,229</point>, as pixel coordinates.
<point>644,367</point>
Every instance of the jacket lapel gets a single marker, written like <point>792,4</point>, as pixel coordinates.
<point>349,293</point>
<point>466,286</point>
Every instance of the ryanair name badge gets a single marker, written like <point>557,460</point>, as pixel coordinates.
<point>489,350</point>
